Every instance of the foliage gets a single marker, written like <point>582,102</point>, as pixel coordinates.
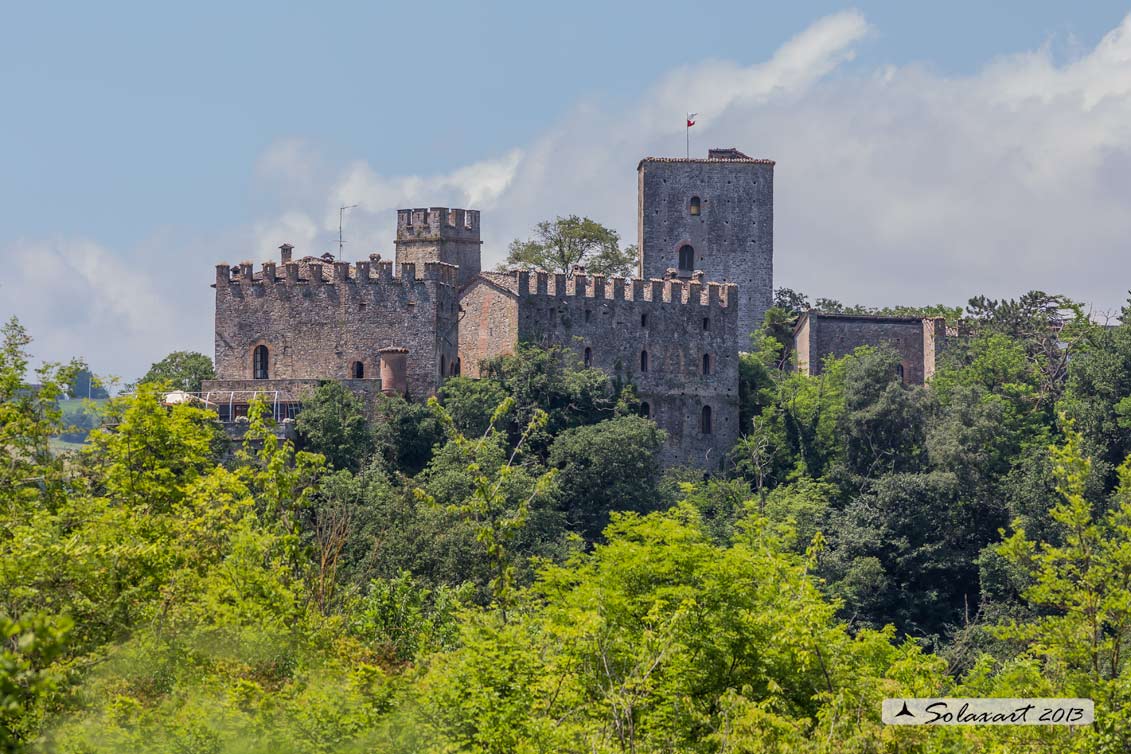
<point>561,244</point>
<point>611,465</point>
<point>404,434</point>
<point>182,370</point>
<point>333,422</point>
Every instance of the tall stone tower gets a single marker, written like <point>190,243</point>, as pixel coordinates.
<point>714,215</point>
<point>439,234</point>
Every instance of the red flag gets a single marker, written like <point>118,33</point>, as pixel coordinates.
<point>691,119</point>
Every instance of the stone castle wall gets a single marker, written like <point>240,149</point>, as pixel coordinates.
<point>732,236</point>
<point>917,340</point>
<point>442,235</point>
<point>610,323</point>
<point>317,320</point>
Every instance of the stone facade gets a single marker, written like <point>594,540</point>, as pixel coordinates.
<point>676,337</point>
<point>322,320</point>
<point>917,340</point>
<point>439,234</point>
<point>676,342</point>
<point>722,208</point>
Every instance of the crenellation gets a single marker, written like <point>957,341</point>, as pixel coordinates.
<point>379,319</point>
<point>618,288</point>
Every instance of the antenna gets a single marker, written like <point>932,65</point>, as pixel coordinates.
<point>341,216</point>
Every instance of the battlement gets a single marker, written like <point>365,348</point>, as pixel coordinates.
<point>528,283</point>
<point>315,271</point>
<point>438,223</point>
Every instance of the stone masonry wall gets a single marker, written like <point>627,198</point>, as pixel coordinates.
<point>439,234</point>
<point>733,235</point>
<point>317,320</point>
<point>488,326</point>
<point>676,324</point>
<point>820,335</point>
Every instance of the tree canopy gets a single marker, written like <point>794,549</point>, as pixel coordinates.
<point>560,244</point>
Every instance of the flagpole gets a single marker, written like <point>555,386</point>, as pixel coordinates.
<point>687,134</point>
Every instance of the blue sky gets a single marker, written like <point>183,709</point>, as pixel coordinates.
<point>140,144</point>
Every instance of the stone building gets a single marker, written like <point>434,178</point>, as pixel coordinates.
<point>917,340</point>
<point>714,215</point>
<point>706,263</point>
<point>286,328</point>
<point>674,340</point>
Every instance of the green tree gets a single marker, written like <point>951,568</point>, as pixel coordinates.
<point>552,380</point>
<point>333,422</point>
<point>1082,586</point>
<point>83,384</point>
<point>471,402</point>
<point>184,370</point>
<point>405,434</point>
<point>612,465</point>
<point>560,244</point>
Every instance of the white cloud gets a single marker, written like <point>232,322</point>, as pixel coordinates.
<point>78,299</point>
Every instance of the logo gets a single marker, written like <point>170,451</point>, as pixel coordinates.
<point>943,711</point>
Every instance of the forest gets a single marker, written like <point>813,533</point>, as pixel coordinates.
<point>507,568</point>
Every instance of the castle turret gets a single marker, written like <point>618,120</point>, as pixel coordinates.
<point>715,215</point>
<point>439,234</point>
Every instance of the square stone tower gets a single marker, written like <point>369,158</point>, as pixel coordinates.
<point>439,234</point>
<point>715,215</point>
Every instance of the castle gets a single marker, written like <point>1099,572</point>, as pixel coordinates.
<point>705,279</point>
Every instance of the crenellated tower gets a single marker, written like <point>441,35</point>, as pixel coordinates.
<point>439,234</point>
<point>714,215</point>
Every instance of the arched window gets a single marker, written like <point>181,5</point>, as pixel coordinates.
<point>588,357</point>
<point>686,258</point>
<point>643,361</point>
<point>694,207</point>
<point>705,420</point>
<point>358,370</point>
<point>645,409</point>
<point>259,363</point>
<point>899,371</point>
<point>706,363</point>
<point>443,364</point>
<point>643,320</point>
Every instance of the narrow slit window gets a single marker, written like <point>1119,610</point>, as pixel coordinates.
<point>706,363</point>
<point>694,206</point>
<point>899,371</point>
<point>588,357</point>
<point>643,361</point>
<point>259,363</point>
<point>705,420</point>
<point>643,320</point>
<point>706,324</point>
